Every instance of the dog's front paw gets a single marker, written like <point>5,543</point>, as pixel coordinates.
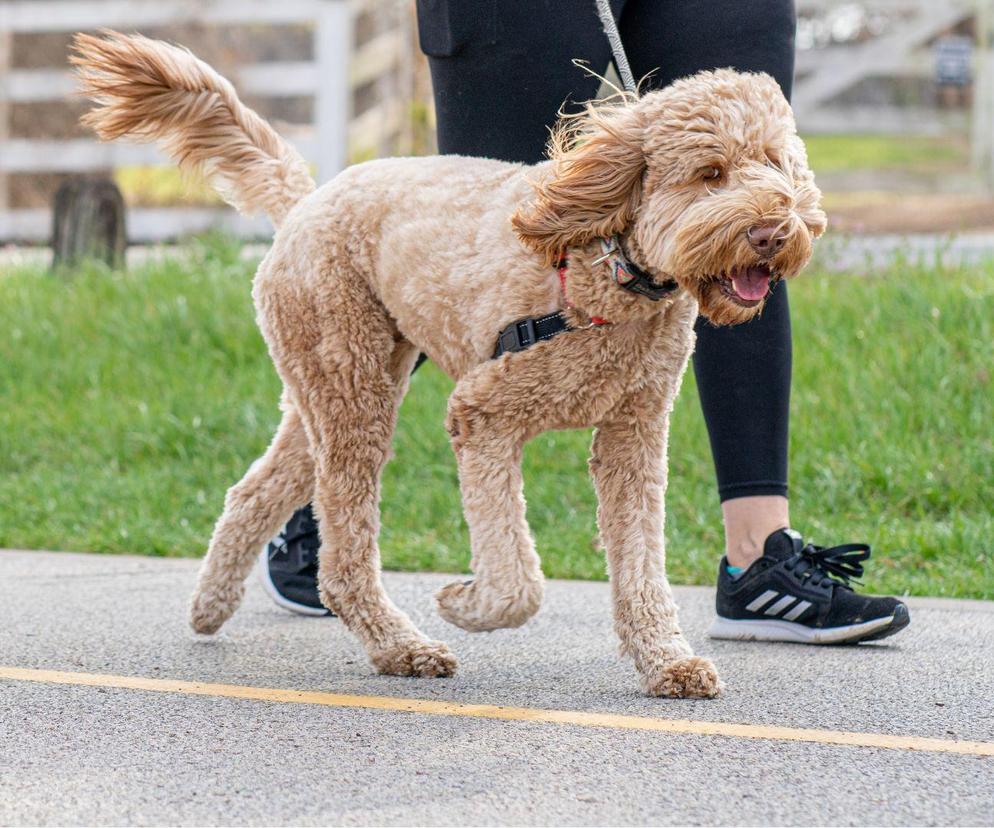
<point>691,677</point>
<point>422,658</point>
<point>479,607</point>
<point>210,608</point>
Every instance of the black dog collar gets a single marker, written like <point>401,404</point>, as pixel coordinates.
<point>629,275</point>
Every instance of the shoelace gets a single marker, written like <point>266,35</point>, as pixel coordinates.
<point>841,564</point>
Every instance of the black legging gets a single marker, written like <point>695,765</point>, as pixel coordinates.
<point>501,69</point>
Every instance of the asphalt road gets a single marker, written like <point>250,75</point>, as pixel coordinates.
<point>150,752</point>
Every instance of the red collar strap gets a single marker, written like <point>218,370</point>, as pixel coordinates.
<point>562,268</point>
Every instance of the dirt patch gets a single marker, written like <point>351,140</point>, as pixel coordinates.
<point>908,213</point>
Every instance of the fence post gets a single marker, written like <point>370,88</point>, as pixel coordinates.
<point>88,223</point>
<point>983,97</point>
<point>332,101</point>
<point>6,39</point>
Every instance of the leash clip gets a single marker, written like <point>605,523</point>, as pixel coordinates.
<point>609,248</point>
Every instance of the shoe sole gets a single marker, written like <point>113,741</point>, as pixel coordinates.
<point>776,630</point>
<point>279,599</point>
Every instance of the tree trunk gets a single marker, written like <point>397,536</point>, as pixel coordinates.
<point>89,223</point>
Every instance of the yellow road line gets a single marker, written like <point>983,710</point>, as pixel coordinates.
<point>516,714</point>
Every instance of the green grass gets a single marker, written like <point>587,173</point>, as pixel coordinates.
<point>163,187</point>
<point>129,402</point>
<point>848,152</point>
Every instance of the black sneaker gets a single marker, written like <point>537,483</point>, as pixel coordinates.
<point>802,593</point>
<point>288,565</point>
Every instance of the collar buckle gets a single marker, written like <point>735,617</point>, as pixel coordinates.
<point>517,336</point>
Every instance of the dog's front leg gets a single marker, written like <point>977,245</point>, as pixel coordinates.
<point>628,466</point>
<point>508,585</point>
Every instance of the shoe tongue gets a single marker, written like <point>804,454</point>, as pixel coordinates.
<point>782,544</point>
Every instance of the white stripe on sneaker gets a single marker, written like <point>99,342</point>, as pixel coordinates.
<point>762,600</point>
<point>781,605</point>
<point>794,613</point>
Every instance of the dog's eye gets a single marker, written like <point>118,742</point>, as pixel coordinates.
<point>711,173</point>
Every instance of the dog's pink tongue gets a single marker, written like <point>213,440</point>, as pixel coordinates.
<point>751,283</point>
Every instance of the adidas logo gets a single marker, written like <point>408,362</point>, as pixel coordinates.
<point>775,610</point>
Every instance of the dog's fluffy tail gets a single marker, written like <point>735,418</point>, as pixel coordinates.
<point>152,91</point>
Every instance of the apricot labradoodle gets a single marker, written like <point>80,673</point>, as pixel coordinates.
<point>704,184</point>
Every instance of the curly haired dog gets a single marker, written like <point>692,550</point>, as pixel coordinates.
<point>705,184</point>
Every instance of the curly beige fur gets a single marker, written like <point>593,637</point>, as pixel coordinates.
<point>152,91</point>
<point>398,256</point>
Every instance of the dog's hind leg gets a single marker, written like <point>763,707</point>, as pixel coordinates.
<point>628,465</point>
<point>254,509</point>
<point>347,369</point>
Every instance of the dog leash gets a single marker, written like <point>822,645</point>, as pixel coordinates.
<point>617,47</point>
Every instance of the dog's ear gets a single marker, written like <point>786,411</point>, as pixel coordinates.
<point>595,184</point>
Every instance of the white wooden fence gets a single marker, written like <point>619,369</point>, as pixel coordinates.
<point>336,69</point>
<point>899,52</point>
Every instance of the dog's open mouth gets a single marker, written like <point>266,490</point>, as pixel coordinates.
<point>746,286</point>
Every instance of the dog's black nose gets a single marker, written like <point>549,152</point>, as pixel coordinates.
<point>766,239</point>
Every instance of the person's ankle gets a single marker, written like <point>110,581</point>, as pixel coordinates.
<point>749,521</point>
<point>747,549</point>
